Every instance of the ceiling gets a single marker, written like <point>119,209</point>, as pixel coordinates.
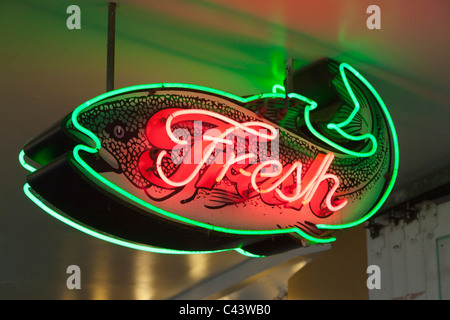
<point>235,46</point>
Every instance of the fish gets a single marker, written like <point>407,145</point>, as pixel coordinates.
<point>272,164</point>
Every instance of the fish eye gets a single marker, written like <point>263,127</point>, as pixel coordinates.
<point>119,131</point>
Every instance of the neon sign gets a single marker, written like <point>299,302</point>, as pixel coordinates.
<point>180,168</point>
<point>246,173</point>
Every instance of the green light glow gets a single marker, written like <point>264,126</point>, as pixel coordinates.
<point>117,241</point>
<point>311,105</point>
<point>338,127</point>
<point>246,253</point>
<point>396,153</point>
<point>95,176</point>
<point>278,87</point>
<point>23,162</point>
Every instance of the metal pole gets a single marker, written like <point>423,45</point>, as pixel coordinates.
<point>111,46</point>
<point>289,76</point>
<point>288,87</point>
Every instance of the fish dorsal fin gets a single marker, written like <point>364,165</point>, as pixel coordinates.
<point>344,122</point>
<point>351,127</point>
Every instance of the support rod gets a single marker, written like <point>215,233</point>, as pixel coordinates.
<point>111,46</point>
<point>289,76</point>
<point>288,87</point>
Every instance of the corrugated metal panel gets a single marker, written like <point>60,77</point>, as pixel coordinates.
<point>414,257</point>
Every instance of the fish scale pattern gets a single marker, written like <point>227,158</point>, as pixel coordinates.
<point>132,114</point>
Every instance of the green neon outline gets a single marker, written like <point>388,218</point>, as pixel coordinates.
<point>396,155</point>
<point>87,169</point>
<point>352,95</point>
<point>24,163</point>
<point>275,87</point>
<point>338,127</point>
<point>96,234</point>
<point>117,241</point>
<point>312,105</point>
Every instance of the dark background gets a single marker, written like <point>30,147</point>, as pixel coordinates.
<point>237,46</point>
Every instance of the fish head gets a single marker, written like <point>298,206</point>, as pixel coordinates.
<point>116,126</point>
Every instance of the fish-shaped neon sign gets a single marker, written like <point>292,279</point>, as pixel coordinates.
<point>181,168</point>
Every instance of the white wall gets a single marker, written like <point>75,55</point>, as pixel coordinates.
<point>414,258</point>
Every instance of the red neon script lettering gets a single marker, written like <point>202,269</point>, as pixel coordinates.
<point>274,182</point>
